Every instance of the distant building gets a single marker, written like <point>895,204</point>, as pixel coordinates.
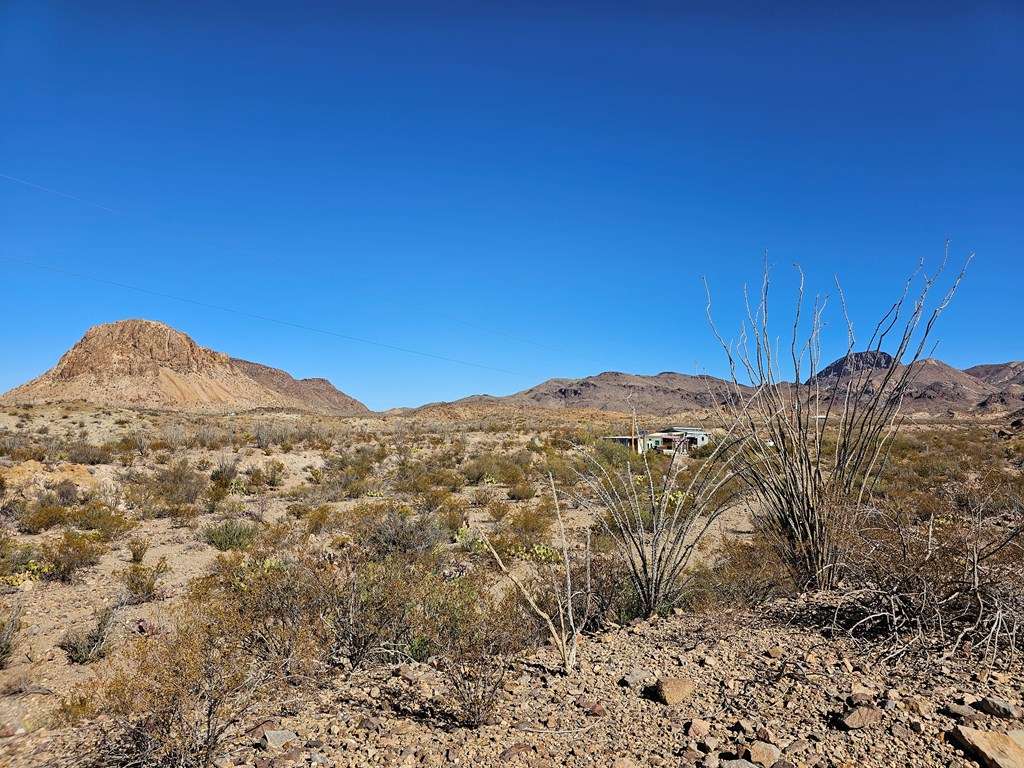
<point>668,440</point>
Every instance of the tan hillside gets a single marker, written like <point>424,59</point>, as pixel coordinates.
<point>663,394</point>
<point>142,363</point>
<point>314,391</point>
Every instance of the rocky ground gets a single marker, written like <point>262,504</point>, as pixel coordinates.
<point>727,691</point>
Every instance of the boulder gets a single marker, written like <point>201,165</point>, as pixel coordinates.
<point>990,748</point>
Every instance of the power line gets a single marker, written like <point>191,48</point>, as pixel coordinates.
<point>280,265</point>
<point>264,318</point>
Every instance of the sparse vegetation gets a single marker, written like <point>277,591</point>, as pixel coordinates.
<point>10,626</point>
<point>85,647</point>
<point>230,534</point>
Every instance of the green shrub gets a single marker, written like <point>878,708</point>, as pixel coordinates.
<point>231,534</point>
<point>36,519</point>
<point>10,625</point>
<point>92,645</point>
<point>141,582</point>
<point>70,553</point>
<point>138,547</point>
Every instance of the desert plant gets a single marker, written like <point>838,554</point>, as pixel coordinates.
<point>70,553</point>
<point>179,693</point>
<point>567,589</point>
<point>521,491</point>
<point>10,625</point>
<point>230,534</point>
<point>138,547</point>
<point>476,638</point>
<point>108,524</point>
<point>93,644</point>
<point>818,442</point>
<point>656,510</point>
<point>39,518</point>
<point>141,582</point>
<point>936,584</point>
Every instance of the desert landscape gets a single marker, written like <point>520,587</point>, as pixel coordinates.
<point>207,562</point>
<point>511,384</point>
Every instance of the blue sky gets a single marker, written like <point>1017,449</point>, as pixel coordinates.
<point>534,188</point>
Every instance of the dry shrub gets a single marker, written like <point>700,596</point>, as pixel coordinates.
<point>141,582</point>
<point>944,582</point>
<point>97,516</point>
<point>10,625</point>
<point>93,644</point>
<point>138,547</point>
<point>178,695</point>
<point>85,453</point>
<point>39,518</point>
<point>70,553</point>
<point>736,574</point>
<point>522,490</point>
<point>384,528</point>
<point>476,637</point>
<point>369,608</point>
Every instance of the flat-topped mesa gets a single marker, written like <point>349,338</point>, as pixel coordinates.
<point>136,348</point>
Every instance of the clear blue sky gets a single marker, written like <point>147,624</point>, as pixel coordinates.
<point>561,172</point>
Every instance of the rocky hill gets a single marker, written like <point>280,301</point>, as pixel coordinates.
<point>314,391</point>
<point>935,388</point>
<point>146,364</point>
<point>663,394</point>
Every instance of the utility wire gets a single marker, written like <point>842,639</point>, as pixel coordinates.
<point>264,318</point>
<point>280,265</point>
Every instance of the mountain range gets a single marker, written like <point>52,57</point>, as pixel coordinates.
<point>146,364</point>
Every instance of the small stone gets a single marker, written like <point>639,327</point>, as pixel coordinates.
<point>745,727</point>
<point>516,749</point>
<point>277,739</point>
<point>860,717</point>
<point>764,754</point>
<point>736,764</point>
<point>962,713</point>
<point>997,708</point>
<point>635,677</point>
<point>674,690</point>
<point>917,726</point>
<point>698,729</point>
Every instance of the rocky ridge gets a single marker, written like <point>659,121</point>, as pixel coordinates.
<point>146,364</point>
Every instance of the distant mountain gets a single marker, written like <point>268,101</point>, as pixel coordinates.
<point>662,394</point>
<point>935,388</point>
<point>1003,375</point>
<point>142,363</point>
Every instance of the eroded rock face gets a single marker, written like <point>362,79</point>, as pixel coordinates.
<point>142,363</point>
<point>136,348</point>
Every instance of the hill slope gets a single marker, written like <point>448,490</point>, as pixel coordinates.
<point>142,363</point>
